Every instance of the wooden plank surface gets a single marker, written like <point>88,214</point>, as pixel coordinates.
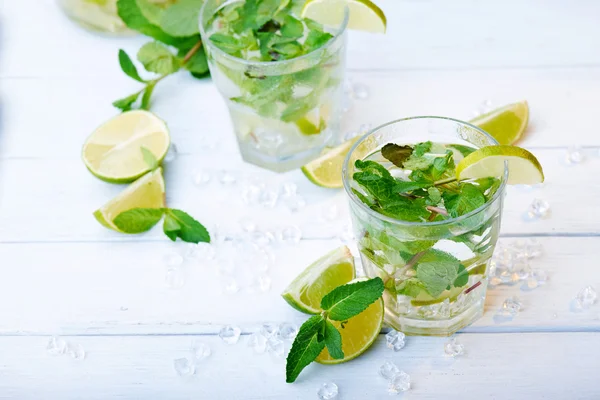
<point>65,274</point>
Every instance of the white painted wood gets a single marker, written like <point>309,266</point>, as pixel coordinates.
<point>421,35</point>
<point>82,288</point>
<point>495,366</point>
<point>197,116</point>
<point>60,195</point>
<point>63,273</point>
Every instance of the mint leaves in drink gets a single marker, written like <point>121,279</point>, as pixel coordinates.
<point>318,332</point>
<point>177,224</point>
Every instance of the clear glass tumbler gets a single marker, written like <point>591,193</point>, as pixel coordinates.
<point>284,113</point>
<point>392,249</point>
<point>96,15</point>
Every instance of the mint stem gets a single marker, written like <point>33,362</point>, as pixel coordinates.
<point>437,210</point>
<point>192,51</point>
<point>413,260</point>
<point>444,181</point>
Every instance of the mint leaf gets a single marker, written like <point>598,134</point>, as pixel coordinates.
<point>416,162</point>
<point>171,227</point>
<point>464,150</point>
<point>157,58</point>
<point>316,39</point>
<point>128,67</point>
<point>149,158</point>
<point>422,148</point>
<point>468,199</point>
<point>396,154</point>
<point>405,209</point>
<point>436,276</point>
<point>462,277</point>
<point>180,224</point>
<point>228,44</point>
<point>125,103</point>
<point>333,341</point>
<point>292,27</point>
<point>197,64</point>
<point>410,287</point>
<point>288,50</point>
<point>305,349</point>
<point>152,11</point>
<point>132,16</point>
<point>346,301</point>
<point>138,220</point>
<point>434,196</point>
<point>181,19</point>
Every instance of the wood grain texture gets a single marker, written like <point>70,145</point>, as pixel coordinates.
<point>65,274</point>
<point>495,366</point>
<point>81,288</point>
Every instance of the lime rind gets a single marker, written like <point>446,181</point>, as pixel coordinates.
<point>506,124</point>
<point>364,14</point>
<point>137,126</point>
<point>523,167</point>
<point>330,271</point>
<point>326,170</point>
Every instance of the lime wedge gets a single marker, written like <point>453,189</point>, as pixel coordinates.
<point>364,15</point>
<point>326,171</point>
<point>506,124</point>
<point>321,277</point>
<point>113,152</point>
<point>358,333</point>
<point>523,167</point>
<point>146,192</point>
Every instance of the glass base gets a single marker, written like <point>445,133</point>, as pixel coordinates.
<point>281,163</point>
<point>419,327</point>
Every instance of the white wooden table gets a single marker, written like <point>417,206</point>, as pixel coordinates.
<point>64,274</point>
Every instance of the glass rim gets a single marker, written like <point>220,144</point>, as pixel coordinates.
<point>354,198</point>
<point>338,34</point>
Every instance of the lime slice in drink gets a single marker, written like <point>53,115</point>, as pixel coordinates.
<point>326,171</point>
<point>146,192</point>
<point>321,277</point>
<point>358,333</point>
<point>505,124</point>
<point>523,167</point>
<point>364,15</point>
<point>113,152</point>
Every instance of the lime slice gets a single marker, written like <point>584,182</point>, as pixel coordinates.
<point>523,167</point>
<point>113,152</point>
<point>321,277</point>
<point>505,124</point>
<point>146,192</point>
<point>358,333</point>
<point>364,15</point>
<point>326,171</point>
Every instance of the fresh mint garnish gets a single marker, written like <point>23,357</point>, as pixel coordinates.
<point>138,220</point>
<point>346,301</point>
<point>171,25</point>
<point>396,154</point>
<point>177,224</point>
<point>341,304</point>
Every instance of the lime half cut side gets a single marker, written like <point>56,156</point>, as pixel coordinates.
<point>358,333</point>
<point>364,15</point>
<point>113,152</point>
<point>506,124</point>
<point>523,167</point>
<point>146,192</point>
<point>321,277</point>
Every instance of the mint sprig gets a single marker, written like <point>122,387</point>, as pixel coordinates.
<point>171,26</point>
<point>177,224</point>
<point>318,332</point>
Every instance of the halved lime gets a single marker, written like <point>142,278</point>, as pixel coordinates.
<point>113,152</point>
<point>326,171</point>
<point>364,14</point>
<point>358,333</point>
<point>146,192</point>
<point>523,167</point>
<point>321,277</point>
<point>506,124</point>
